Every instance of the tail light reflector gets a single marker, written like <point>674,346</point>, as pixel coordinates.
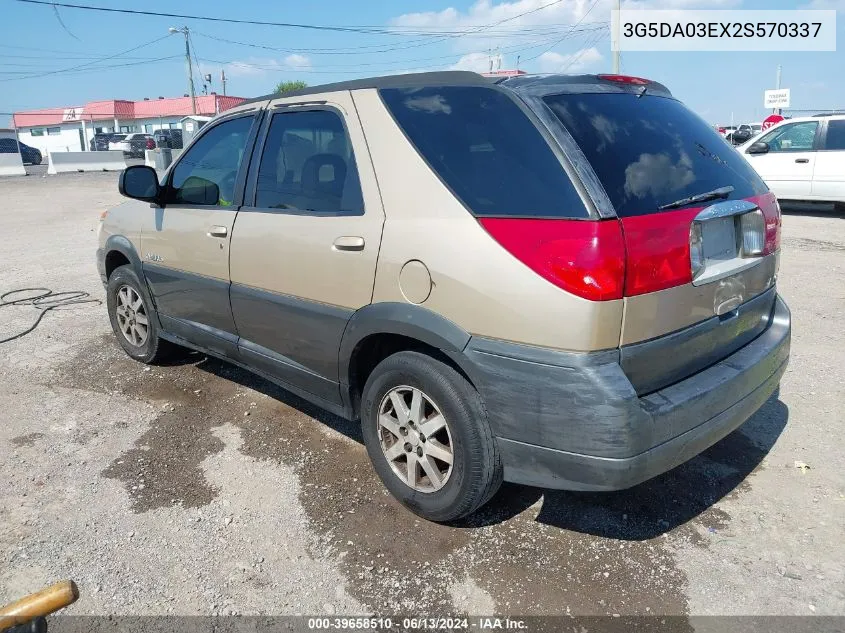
<point>151,144</point>
<point>585,258</point>
<point>768,204</point>
<point>659,250</point>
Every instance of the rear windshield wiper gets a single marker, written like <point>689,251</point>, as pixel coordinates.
<point>721,192</point>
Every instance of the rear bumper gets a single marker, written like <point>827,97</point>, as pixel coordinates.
<point>574,421</point>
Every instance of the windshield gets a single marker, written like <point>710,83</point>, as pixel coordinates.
<point>649,151</point>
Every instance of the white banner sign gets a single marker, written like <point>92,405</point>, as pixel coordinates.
<point>776,98</point>
<point>723,30</point>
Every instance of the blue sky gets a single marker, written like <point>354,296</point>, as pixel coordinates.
<point>35,41</point>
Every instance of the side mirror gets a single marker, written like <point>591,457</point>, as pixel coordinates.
<point>139,182</point>
<point>758,148</point>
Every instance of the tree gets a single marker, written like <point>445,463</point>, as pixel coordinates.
<point>289,86</point>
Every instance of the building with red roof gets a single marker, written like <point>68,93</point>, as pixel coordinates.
<point>70,129</point>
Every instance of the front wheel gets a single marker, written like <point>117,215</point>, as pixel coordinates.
<point>426,432</point>
<point>133,319</point>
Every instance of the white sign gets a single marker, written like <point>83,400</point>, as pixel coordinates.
<point>72,114</point>
<point>776,98</point>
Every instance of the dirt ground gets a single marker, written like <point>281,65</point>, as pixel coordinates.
<point>198,488</point>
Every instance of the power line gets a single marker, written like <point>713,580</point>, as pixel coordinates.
<point>587,46</point>
<point>95,69</point>
<point>62,23</point>
<point>370,29</point>
<point>581,19</point>
<point>379,48</point>
<point>465,31</point>
<point>516,48</point>
<point>182,16</point>
<point>52,58</point>
<point>87,64</point>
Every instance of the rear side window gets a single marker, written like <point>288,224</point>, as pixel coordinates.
<point>649,151</point>
<point>835,135</point>
<point>486,150</point>
<point>308,165</point>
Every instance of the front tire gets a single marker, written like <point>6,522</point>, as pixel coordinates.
<point>133,318</point>
<point>426,432</point>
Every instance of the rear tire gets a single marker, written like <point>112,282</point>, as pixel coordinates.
<point>407,441</point>
<point>134,319</point>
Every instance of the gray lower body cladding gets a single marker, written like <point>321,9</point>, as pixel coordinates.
<point>575,421</point>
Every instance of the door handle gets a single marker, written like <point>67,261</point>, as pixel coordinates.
<point>218,231</point>
<point>802,160</point>
<point>349,243</point>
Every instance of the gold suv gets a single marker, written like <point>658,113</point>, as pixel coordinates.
<point>560,281</point>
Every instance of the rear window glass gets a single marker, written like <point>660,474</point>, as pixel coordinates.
<point>835,135</point>
<point>649,151</point>
<point>486,150</point>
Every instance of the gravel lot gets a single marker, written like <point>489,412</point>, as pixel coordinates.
<point>199,489</point>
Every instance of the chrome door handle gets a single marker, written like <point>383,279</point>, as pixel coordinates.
<point>802,160</point>
<point>218,231</point>
<point>349,243</point>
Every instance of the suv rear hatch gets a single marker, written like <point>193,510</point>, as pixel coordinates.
<point>595,184</point>
<point>701,230</point>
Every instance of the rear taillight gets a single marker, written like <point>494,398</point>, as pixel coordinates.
<point>768,204</point>
<point>151,144</point>
<point>661,248</point>
<point>636,255</point>
<point>585,258</point>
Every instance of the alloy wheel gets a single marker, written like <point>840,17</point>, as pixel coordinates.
<point>415,438</point>
<point>132,319</point>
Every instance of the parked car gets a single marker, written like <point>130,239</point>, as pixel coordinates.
<point>168,138</point>
<point>29,155</point>
<point>802,158</point>
<point>133,145</point>
<point>100,141</point>
<point>744,132</point>
<point>495,285</point>
<point>725,130</point>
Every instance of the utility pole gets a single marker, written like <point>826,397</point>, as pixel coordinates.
<point>184,31</point>
<point>618,6</point>
<point>223,80</point>
<point>777,87</point>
